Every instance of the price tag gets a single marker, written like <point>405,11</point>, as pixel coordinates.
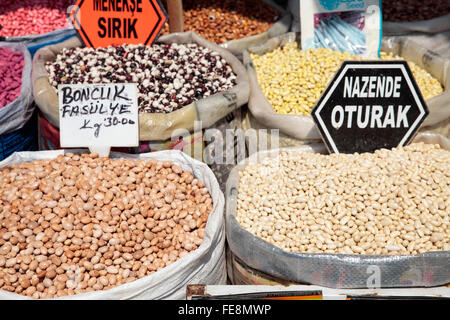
<point>370,105</point>
<point>102,23</point>
<point>98,116</point>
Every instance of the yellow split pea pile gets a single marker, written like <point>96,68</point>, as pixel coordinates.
<point>293,79</point>
<point>81,223</point>
<point>389,202</point>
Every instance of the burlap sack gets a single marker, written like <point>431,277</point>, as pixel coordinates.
<point>152,127</point>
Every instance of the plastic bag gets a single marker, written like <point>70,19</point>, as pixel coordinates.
<point>348,26</point>
<point>24,139</point>
<point>237,47</point>
<point>206,265</point>
<point>152,127</point>
<point>303,127</point>
<point>331,270</point>
<point>16,114</point>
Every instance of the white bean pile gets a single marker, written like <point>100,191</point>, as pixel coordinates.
<point>390,202</point>
<point>80,223</point>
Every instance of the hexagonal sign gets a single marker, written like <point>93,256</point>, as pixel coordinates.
<point>370,105</point>
<point>102,23</point>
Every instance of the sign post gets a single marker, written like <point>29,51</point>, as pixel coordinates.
<point>370,105</point>
<point>101,23</point>
<point>176,18</point>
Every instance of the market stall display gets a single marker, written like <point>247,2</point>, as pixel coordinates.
<point>119,227</point>
<point>235,24</point>
<point>143,217</point>
<point>35,22</point>
<point>286,81</point>
<point>307,229</point>
<point>189,95</point>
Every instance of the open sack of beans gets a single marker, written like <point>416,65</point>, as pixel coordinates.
<point>16,97</point>
<point>192,144</point>
<point>235,24</point>
<point>36,23</point>
<point>181,78</point>
<point>286,82</point>
<point>331,220</point>
<point>124,227</point>
<point>411,16</point>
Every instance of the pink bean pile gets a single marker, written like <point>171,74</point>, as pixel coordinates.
<point>32,17</point>
<point>11,67</point>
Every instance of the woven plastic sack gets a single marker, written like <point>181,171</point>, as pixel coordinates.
<point>303,127</point>
<point>16,114</point>
<point>331,270</point>
<point>49,139</point>
<point>206,265</point>
<point>152,127</point>
<point>280,27</point>
<point>35,42</point>
<point>439,43</point>
<point>431,26</point>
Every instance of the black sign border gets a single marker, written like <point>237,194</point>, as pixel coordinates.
<point>367,62</point>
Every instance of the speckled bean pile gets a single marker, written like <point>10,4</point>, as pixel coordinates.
<point>169,76</point>
<point>32,17</point>
<point>79,223</point>
<point>11,68</point>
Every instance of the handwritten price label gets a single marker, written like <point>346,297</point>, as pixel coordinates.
<point>98,115</point>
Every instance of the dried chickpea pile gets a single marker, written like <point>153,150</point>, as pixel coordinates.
<point>80,223</point>
<point>293,79</point>
<point>389,202</point>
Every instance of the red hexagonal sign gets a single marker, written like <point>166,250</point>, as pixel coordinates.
<point>102,23</point>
